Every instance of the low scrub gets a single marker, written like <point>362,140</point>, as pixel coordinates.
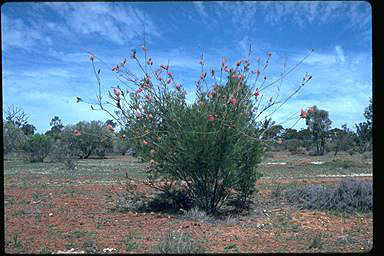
<point>178,242</point>
<point>349,196</point>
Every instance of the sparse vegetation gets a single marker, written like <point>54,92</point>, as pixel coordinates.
<point>349,196</point>
<point>176,241</point>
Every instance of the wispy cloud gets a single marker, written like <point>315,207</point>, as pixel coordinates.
<point>16,33</point>
<point>109,20</point>
<point>201,9</point>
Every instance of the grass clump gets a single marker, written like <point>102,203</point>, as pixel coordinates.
<point>178,242</point>
<point>349,196</point>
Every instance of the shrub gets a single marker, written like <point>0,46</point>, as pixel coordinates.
<point>301,151</point>
<point>213,145</point>
<point>65,149</point>
<point>37,147</point>
<point>292,145</point>
<point>178,242</point>
<point>349,196</point>
<point>94,138</point>
<point>170,200</point>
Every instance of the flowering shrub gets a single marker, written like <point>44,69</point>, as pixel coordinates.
<point>213,145</point>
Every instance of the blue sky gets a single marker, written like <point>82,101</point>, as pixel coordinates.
<point>45,63</point>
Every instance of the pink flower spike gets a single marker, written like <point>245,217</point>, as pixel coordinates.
<point>111,128</point>
<point>232,101</point>
<point>234,75</point>
<point>303,114</point>
<point>116,92</point>
<point>211,118</point>
<point>138,114</point>
<point>76,133</point>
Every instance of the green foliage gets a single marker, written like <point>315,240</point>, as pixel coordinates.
<point>121,143</point>
<point>37,147</point>
<point>211,156</point>
<point>13,134</point>
<point>56,128</point>
<point>342,139</point>
<point>213,145</point>
<point>318,124</point>
<point>94,138</point>
<point>65,149</point>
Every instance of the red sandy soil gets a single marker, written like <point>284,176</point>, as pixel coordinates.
<point>88,209</point>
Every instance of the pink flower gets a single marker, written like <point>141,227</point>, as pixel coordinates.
<point>76,133</point>
<point>257,93</point>
<point>111,127</point>
<point>211,118</point>
<point>303,114</point>
<point>232,101</point>
<point>145,142</point>
<point>116,92</point>
<point>311,110</point>
<point>138,114</point>
<point>234,75</point>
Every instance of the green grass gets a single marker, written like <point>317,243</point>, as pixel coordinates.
<point>89,171</point>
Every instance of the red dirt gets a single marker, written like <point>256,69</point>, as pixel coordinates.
<point>87,208</point>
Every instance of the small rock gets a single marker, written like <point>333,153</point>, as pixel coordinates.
<point>50,214</point>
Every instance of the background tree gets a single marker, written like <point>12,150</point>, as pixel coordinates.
<point>364,130</point>
<point>318,124</point>
<point>28,129</point>
<point>13,134</point>
<point>343,139</point>
<point>37,147</point>
<point>56,128</point>
<point>94,138</point>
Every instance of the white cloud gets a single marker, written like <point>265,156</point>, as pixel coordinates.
<point>200,9</point>
<point>340,53</point>
<point>116,22</point>
<point>16,33</point>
